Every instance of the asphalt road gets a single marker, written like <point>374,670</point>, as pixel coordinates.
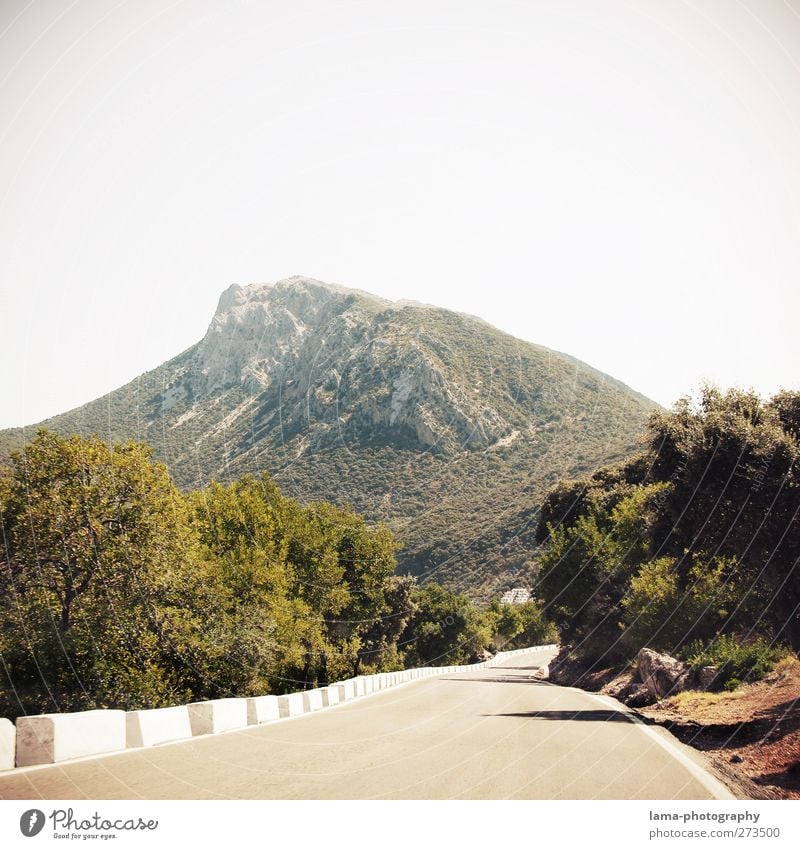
<point>495,733</point>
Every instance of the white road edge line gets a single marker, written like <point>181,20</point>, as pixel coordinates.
<point>714,786</point>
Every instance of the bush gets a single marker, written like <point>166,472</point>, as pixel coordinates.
<point>660,612</point>
<point>536,629</point>
<point>689,540</point>
<point>738,662</point>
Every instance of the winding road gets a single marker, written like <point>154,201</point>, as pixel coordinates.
<point>490,734</point>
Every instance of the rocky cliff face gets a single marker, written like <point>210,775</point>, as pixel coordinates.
<point>259,330</point>
<point>344,361</point>
<point>432,421</point>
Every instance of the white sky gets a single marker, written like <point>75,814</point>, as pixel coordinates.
<point>618,180</point>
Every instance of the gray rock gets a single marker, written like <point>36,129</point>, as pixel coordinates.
<point>563,669</point>
<point>662,674</point>
<point>637,696</point>
<point>707,677</point>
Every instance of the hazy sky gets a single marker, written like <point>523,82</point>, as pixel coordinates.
<point>618,180</point>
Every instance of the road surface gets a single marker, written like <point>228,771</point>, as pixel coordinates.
<point>494,733</point>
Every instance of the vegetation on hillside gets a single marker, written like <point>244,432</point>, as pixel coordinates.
<point>118,590</point>
<point>692,547</point>
<point>346,410</point>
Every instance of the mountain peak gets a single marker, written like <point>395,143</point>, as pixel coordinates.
<point>232,296</point>
<point>297,289</point>
<point>415,415</point>
<point>261,327</point>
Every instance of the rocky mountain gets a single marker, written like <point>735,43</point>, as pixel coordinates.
<point>433,421</point>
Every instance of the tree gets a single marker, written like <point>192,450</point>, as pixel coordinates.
<point>313,587</point>
<point>379,642</point>
<point>244,530</point>
<point>446,628</point>
<point>658,613</point>
<point>732,465</point>
<point>94,544</point>
<point>697,536</point>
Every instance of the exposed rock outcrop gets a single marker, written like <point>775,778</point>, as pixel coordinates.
<point>629,689</point>
<point>564,669</point>
<point>662,674</point>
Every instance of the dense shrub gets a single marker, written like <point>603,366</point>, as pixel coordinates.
<point>738,661</point>
<point>660,610</point>
<point>695,538</point>
<point>517,626</point>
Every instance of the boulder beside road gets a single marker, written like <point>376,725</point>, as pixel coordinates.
<point>662,674</point>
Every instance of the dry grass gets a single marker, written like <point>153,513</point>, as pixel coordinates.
<point>786,668</point>
<point>694,700</point>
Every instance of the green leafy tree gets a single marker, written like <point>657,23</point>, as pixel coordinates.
<point>95,547</point>
<point>535,628</point>
<point>313,587</point>
<point>244,531</point>
<point>379,642</point>
<point>732,465</point>
<point>446,628</point>
<point>658,611</point>
<point>696,537</point>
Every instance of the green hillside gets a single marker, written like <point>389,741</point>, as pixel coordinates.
<point>435,422</point>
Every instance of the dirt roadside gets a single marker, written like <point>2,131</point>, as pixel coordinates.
<point>750,737</point>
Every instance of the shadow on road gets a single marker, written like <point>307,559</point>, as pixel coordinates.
<point>502,679</point>
<point>572,715</point>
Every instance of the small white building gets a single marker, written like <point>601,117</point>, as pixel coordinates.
<point>517,595</point>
